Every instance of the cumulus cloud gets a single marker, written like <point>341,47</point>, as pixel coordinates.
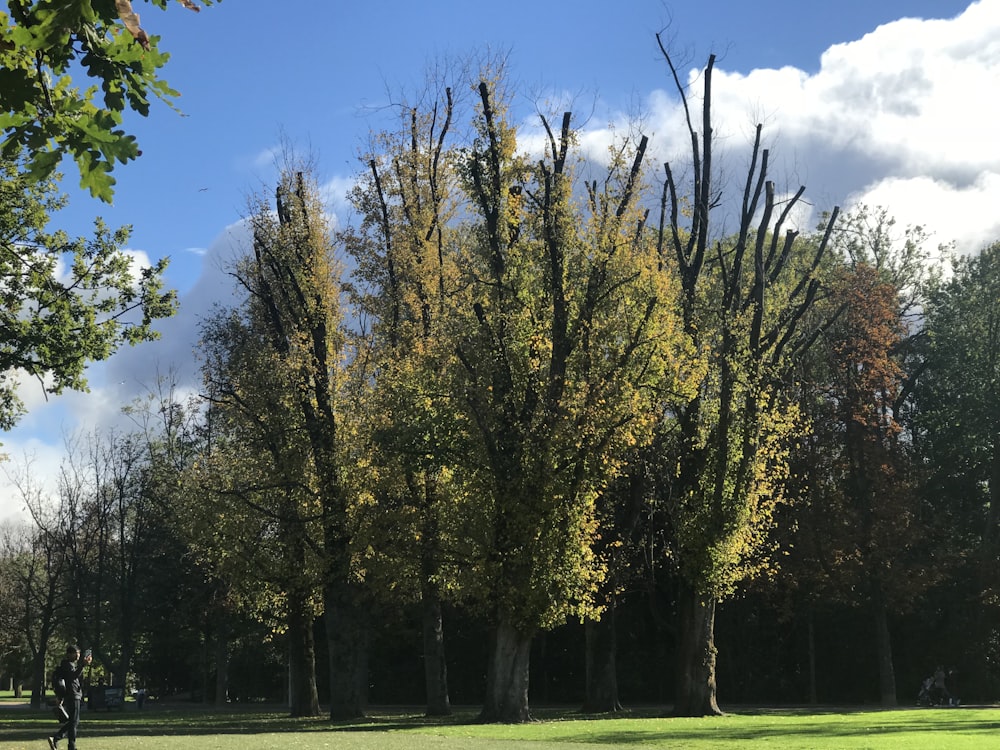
<point>134,368</point>
<point>966,215</point>
<point>903,117</point>
<point>334,194</point>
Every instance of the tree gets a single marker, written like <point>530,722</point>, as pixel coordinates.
<point>47,113</point>
<point>53,323</point>
<point>957,434</point>
<point>33,563</point>
<point>185,606</point>
<point>568,327</point>
<point>108,514</point>
<point>274,373</point>
<point>742,300</point>
<point>407,279</point>
<point>515,327</point>
<point>621,507</point>
<point>89,567</point>
<point>958,410</point>
<point>252,515</point>
<point>861,520</point>
<point>294,281</point>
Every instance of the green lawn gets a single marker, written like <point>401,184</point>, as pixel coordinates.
<point>182,728</point>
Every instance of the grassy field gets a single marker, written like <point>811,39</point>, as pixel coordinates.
<point>160,727</point>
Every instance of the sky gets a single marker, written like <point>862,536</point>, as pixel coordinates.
<point>886,102</point>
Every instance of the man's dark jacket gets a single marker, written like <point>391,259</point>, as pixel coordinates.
<point>72,675</point>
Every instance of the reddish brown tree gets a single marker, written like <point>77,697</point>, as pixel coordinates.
<point>860,529</point>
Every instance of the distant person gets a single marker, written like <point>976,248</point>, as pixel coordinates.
<point>69,674</point>
<point>926,695</point>
<point>951,684</point>
<point>140,697</point>
<point>940,688</point>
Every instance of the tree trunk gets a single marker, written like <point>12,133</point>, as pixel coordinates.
<point>813,696</point>
<point>426,496</point>
<point>38,682</point>
<point>883,642</point>
<point>507,675</point>
<point>303,699</point>
<point>206,663</point>
<point>695,685</point>
<point>435,665</point>
<point>993,517</point>
<point>347,637</point>
<point>601,664</point>
<point>221,660</point>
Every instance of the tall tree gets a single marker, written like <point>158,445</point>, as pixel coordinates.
<point>557,319</point>
<point>958,436</point>
<point>45,109</point>
<point>743,298</point>
<point>174,434</point>
<point>861,521</point>
<point>958,404</point>
<point>407,280</point>
<point>276,372</point>
<point>254,493</point>
<point>569,326</point>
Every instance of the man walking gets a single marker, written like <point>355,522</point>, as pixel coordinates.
<point>69,674</point>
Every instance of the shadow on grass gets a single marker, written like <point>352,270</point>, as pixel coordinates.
<point>25,724</point>
<point>722,732</point>
<point>630,727</point>
<point>760,724</point>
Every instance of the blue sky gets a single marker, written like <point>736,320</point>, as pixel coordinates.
<point>858,106</point>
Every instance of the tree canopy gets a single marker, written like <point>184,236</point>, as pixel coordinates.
<point>46,46</point>
<point>66,301</point>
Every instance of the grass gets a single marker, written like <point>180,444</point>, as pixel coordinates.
<point>160,727</point>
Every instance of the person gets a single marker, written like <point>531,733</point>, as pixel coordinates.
<point>926,695</point>
<point>951,685</point>
<point>940,688</point>
<point>140,697</point>
<point>70,672</point>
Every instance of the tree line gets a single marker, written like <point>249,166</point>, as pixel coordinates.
<point>555,426</point>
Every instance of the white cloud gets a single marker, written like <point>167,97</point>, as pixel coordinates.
<point>266,159</point>
<point>334,194</point>
<point>35,458</point>
<point>966,215</point>
<point>904,117</point>
<point>922,91</point>
<point>134,369</point>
